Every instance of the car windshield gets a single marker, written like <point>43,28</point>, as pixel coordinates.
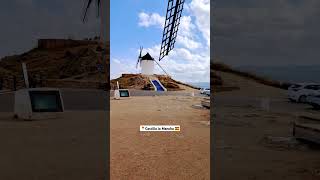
<point>312,87</point>
<point>309,87</point>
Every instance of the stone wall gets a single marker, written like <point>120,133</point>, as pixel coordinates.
<point>10,82</point>
<point>58,83</point>
<point>62,43</point>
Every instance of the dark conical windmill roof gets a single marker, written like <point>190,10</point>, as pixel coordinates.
<point>147,57</point>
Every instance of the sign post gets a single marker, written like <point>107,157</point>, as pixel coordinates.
<point>25,74</point>
<point>117,92</point>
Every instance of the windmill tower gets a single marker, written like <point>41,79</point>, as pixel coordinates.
<point>146,63</point>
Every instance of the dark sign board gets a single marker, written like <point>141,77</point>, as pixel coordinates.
<point>124,93</point>
<point>46,101</point>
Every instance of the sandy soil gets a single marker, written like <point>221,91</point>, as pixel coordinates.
<point>71,147</point>
<point>159,155</point>
<point>254,141</point>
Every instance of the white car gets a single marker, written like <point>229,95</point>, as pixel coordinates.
<point>205,91</point>
<point>292,91</point>
<point>300,92</point>
<point>314,101</point>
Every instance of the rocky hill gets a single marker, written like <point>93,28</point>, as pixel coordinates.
<point>220,72</point>
<point>63,66</point>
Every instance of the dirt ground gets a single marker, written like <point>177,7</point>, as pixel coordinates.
<point>159,155</point>
<point>70,147</point>
<point>254,140</point>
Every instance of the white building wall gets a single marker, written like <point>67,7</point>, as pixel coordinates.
<point>147,67</point>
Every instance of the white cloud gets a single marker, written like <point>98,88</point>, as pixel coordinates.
<point>117,61</point>
<point>183,65</point>
<point>201,10</point>
<point>186,27</point>
<point>121,66</point>
<point>147,20</point>
<point>186,33</point>
<point>188,42</point>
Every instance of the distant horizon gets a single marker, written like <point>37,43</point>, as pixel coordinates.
<point>277,66</point>
<point>36,45</point>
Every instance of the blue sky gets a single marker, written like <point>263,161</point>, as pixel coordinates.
<point>125,31</point>
<point>139,22</point>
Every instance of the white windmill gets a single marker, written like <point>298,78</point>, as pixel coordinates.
<point>147,63</point>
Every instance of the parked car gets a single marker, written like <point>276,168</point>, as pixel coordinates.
<point>314,101</point>
<point>207,92</point>
<point>300,92</point>
<point>204,90</point>
<point>296,87</point>
<point>292,91</point>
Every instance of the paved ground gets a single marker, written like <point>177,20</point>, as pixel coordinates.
<point>72,147</point>
<point>7,102</point>
<point>136,155</point>
<point>253,134</point>
<point>87,99</point>
<point>158,93</point>
<point>275,105</point>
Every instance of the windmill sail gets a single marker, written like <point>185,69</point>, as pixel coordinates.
<point>87,6</point>
<point>172,22</point>
<point>139,58</point>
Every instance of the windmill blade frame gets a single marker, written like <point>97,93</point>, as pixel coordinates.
<point>171,26</point>
<point>87,5</point>
<point>141,48</point>
<point>98,5</point>
<point>137,63</point>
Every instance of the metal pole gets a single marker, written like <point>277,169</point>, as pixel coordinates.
<point>162,68</point>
